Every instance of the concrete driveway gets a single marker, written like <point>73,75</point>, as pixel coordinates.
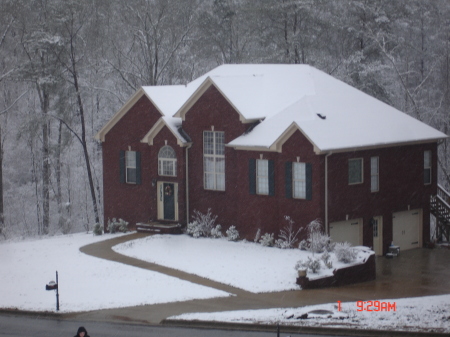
<point>419,272</point>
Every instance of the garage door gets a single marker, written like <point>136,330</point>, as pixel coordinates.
<point>406,228</point>
<point>349,231</point>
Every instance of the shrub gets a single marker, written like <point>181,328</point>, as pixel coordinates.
<point>344,252</point>
<point>266,240</point>
<point>318,242</point>
<point>201,224</point>
<point>232,234</point>
<point>288,235</point>
<point>98,229</point>
<point>303,245</point>
<point>115,226</point>
<point>326,260</point>
<point>311,264</point>
<point>258,235</point>
<point>216,232</point>
<point>194,229</point>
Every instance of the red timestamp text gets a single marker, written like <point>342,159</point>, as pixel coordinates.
<point>373,306</point>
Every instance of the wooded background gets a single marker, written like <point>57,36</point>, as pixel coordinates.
<point>67,66</point>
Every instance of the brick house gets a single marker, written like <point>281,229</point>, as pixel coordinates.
<point>255,143</point>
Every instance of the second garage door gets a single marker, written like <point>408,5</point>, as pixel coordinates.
<point>347,231</point>
<point>406,228</point>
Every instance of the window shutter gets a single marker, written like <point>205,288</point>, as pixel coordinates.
<point>252,175</point>
<point>308,169</point>
<point>122,166</point>
<point>288,179</point>
<point>138,168</point>
<point>271,177</point>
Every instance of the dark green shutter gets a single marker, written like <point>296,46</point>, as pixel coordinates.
<point>288,179</point>
<point>252,175</point>
<point>308,169</point>
<point>122,166</point>
<point>271,177</point>
<point>138,168</point>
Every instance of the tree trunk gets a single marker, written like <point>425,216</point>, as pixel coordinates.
<point>1,185</point>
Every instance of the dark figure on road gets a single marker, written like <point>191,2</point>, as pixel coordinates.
<point>81,332</point>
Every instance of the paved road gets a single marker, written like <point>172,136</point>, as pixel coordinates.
<point>11,325</point>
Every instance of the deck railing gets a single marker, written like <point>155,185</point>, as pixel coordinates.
<point>440,208</point>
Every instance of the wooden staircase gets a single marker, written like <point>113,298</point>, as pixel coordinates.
<point>440,208</point>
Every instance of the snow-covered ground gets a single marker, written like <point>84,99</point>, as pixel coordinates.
<point>89,283</point>
<point>234,263</point>
<point>85,282</point>
<point>431,313</point>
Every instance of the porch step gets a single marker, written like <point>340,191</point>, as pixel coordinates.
<point>159,228</point>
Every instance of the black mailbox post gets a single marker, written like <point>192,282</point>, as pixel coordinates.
<point>52,285</point>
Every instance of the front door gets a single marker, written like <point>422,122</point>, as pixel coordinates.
<point>167,201</point>
<point>377,224</point>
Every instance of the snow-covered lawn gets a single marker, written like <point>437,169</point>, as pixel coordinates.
<point>431,313</point>
<point>234,263</point>
<point>85,282</point>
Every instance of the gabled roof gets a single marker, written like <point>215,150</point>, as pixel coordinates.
<point>284,98</point>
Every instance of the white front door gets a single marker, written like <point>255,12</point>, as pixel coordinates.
<point>378,235</point>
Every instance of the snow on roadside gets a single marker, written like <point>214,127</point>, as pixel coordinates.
<point>429,314</point>
<point>85,282</point>
<point>234,263</point>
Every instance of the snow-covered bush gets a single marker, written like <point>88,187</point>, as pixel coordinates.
<point>303,245</point>
<point>258,235</point>
<point>267,240</point>
<point>194,229</point>
<point>115,226</point>
<point>201,224</point>
<point>288,235</point>
<point>216,232</point>
<point>98,229</point>
<point>232,234</point>
<point>311,264</point>
<point>344,252</point>
<point>317,240</point>
<point>326,260</point>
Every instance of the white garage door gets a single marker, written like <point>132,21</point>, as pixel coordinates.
<point>347,231</point>
<point>406,228</point>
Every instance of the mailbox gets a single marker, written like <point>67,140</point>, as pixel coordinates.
<point>52,285</point>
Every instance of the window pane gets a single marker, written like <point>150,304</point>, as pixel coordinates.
<point>220,144</point>
<point>374,165</point>
<point>220,181</point>
<point>208,164</point>
<point>220,165</point>
<point>374,183</point>
<point>299,180</point>
<point>300,189</point>
<point>262,176</point>
<point>131,158</point>
<point>355,171</point>
<point>427,176</point>
<point>208,142</point>
<point>427,159</point>
<point>131,175</point>
<point>209,181</point>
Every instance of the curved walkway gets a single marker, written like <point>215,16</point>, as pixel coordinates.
<point>420,272</point>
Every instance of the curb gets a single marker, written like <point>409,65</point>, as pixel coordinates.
<point>295,329</point>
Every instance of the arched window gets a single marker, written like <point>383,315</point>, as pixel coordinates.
<point>167,162</point>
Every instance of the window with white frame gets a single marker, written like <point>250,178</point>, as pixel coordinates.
<point>262,176</point>
<point>130,166</point>
<point>214,160</point>
<point>374,174</point>
<point>299,180</point>
<point>167,161</point>
<point>427,167</point>
<point>355,171</point>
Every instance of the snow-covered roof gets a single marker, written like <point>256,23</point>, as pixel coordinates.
<point>331,114</point>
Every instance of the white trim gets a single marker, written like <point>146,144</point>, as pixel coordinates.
<point>157,127</point>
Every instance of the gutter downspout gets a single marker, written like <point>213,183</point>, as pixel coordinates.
<point>326,192</point>
<point>187,183</point>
